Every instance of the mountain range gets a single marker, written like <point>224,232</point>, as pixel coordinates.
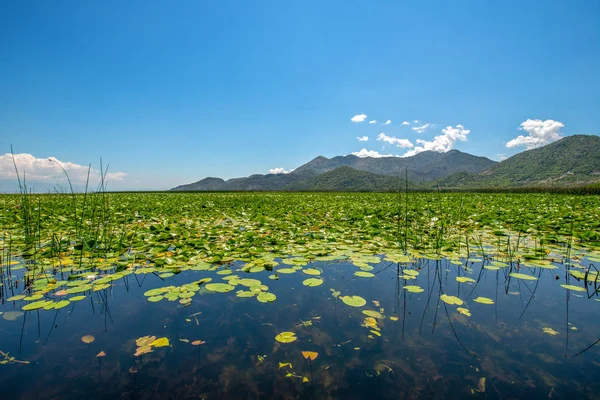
<point>573,160</point>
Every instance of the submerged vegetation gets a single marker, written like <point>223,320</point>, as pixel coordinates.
<point>355,279</point>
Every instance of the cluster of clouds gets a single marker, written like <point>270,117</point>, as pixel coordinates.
<point>440,143</point>
<point>279,170</point>
<point>50,170</point>
<point>539,133</point>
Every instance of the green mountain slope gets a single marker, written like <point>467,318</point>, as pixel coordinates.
<point>346,179</point>
<point>570,161</point>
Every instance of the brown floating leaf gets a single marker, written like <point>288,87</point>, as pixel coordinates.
<point>198,342</point>
<point>310,354</point>
<point>133,370</point>
<point>88,339</point>
<point>61,293</point>
<point>101,354</point>
<point>142,350</point>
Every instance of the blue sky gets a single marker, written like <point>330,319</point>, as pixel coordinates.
<point>171,92</point>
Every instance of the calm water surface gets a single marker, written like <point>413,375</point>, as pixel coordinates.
<point>426,348</point>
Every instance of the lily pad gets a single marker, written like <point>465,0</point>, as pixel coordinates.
<point>311,271</point>
<point>414,288</point>
<point>364,274</point>
<point>574,288</point>
<point>526,277</point>
<point>353,301</point>
<point>219,287</point>
<point>266,297</point>
<point>311,282</point>
<point>483,300</point>
<point>286,337</point>
<point>452,300</point>
<point>35,305</point>
<point>373,313</point>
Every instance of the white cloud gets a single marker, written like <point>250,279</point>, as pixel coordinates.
<point>371,153</point>
<point>359,118</point>
<point>441,143</point>
<point>279,171</point>
<point>49,170</point>
<point>373,121</point>
<point>405,123</point>
<point>389,121</point>
<point>422,128</point>
<point>416,121</point>
<point>539,133</point>
<point>403,143</point>
<point>362,138</point>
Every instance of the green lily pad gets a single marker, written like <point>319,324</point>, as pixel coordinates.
<point>311,282</point>
<point>483,300</point>
<point>35,305</point>
<point>452,300</point>
<point>414,288</point>
<point>286,337</point>
<point>526,277</point>
<point>353,301</point>
<point>574,288</point>
<point>311,271</point>
<point>266,297</point>
<point>364,274</point>
<point>219,287</point>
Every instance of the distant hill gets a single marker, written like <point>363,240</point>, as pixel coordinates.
<point>423,167</point>
<point>346,179</point>
<point>572,160</point>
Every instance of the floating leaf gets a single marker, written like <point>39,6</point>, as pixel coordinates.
<point>79,289</point>
<point>452,300</point>
<point>101,354</point>
<point>76,298</point>
<point>464,311</point>
<point>526,277</point>
<point>286,337</point>
<point>145,340</point>
<point>414,289</point>
<point>312,355</point>
<point>354,301</point>
<point>549,331</point>
<point>12,315</point>
<point>286,271</point>
<point>142,350</point>
<point>33,297</point>
<point>311,282</point>
<point>373,313</point>
<point>198,342</point>
<point>35,305</point>
<point>464,279</point>
<point>574,288</point>
<point>161,342</point>
<point>16,298</point>
<point>219,287</point>
<point>61,304</point>
<point>87,339</point>
<point>363,274</point>
<point>483,300</point>
<point>154,299</point>
<point>394,318</point>
<point>311,271</point>
<point>265,297</point>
